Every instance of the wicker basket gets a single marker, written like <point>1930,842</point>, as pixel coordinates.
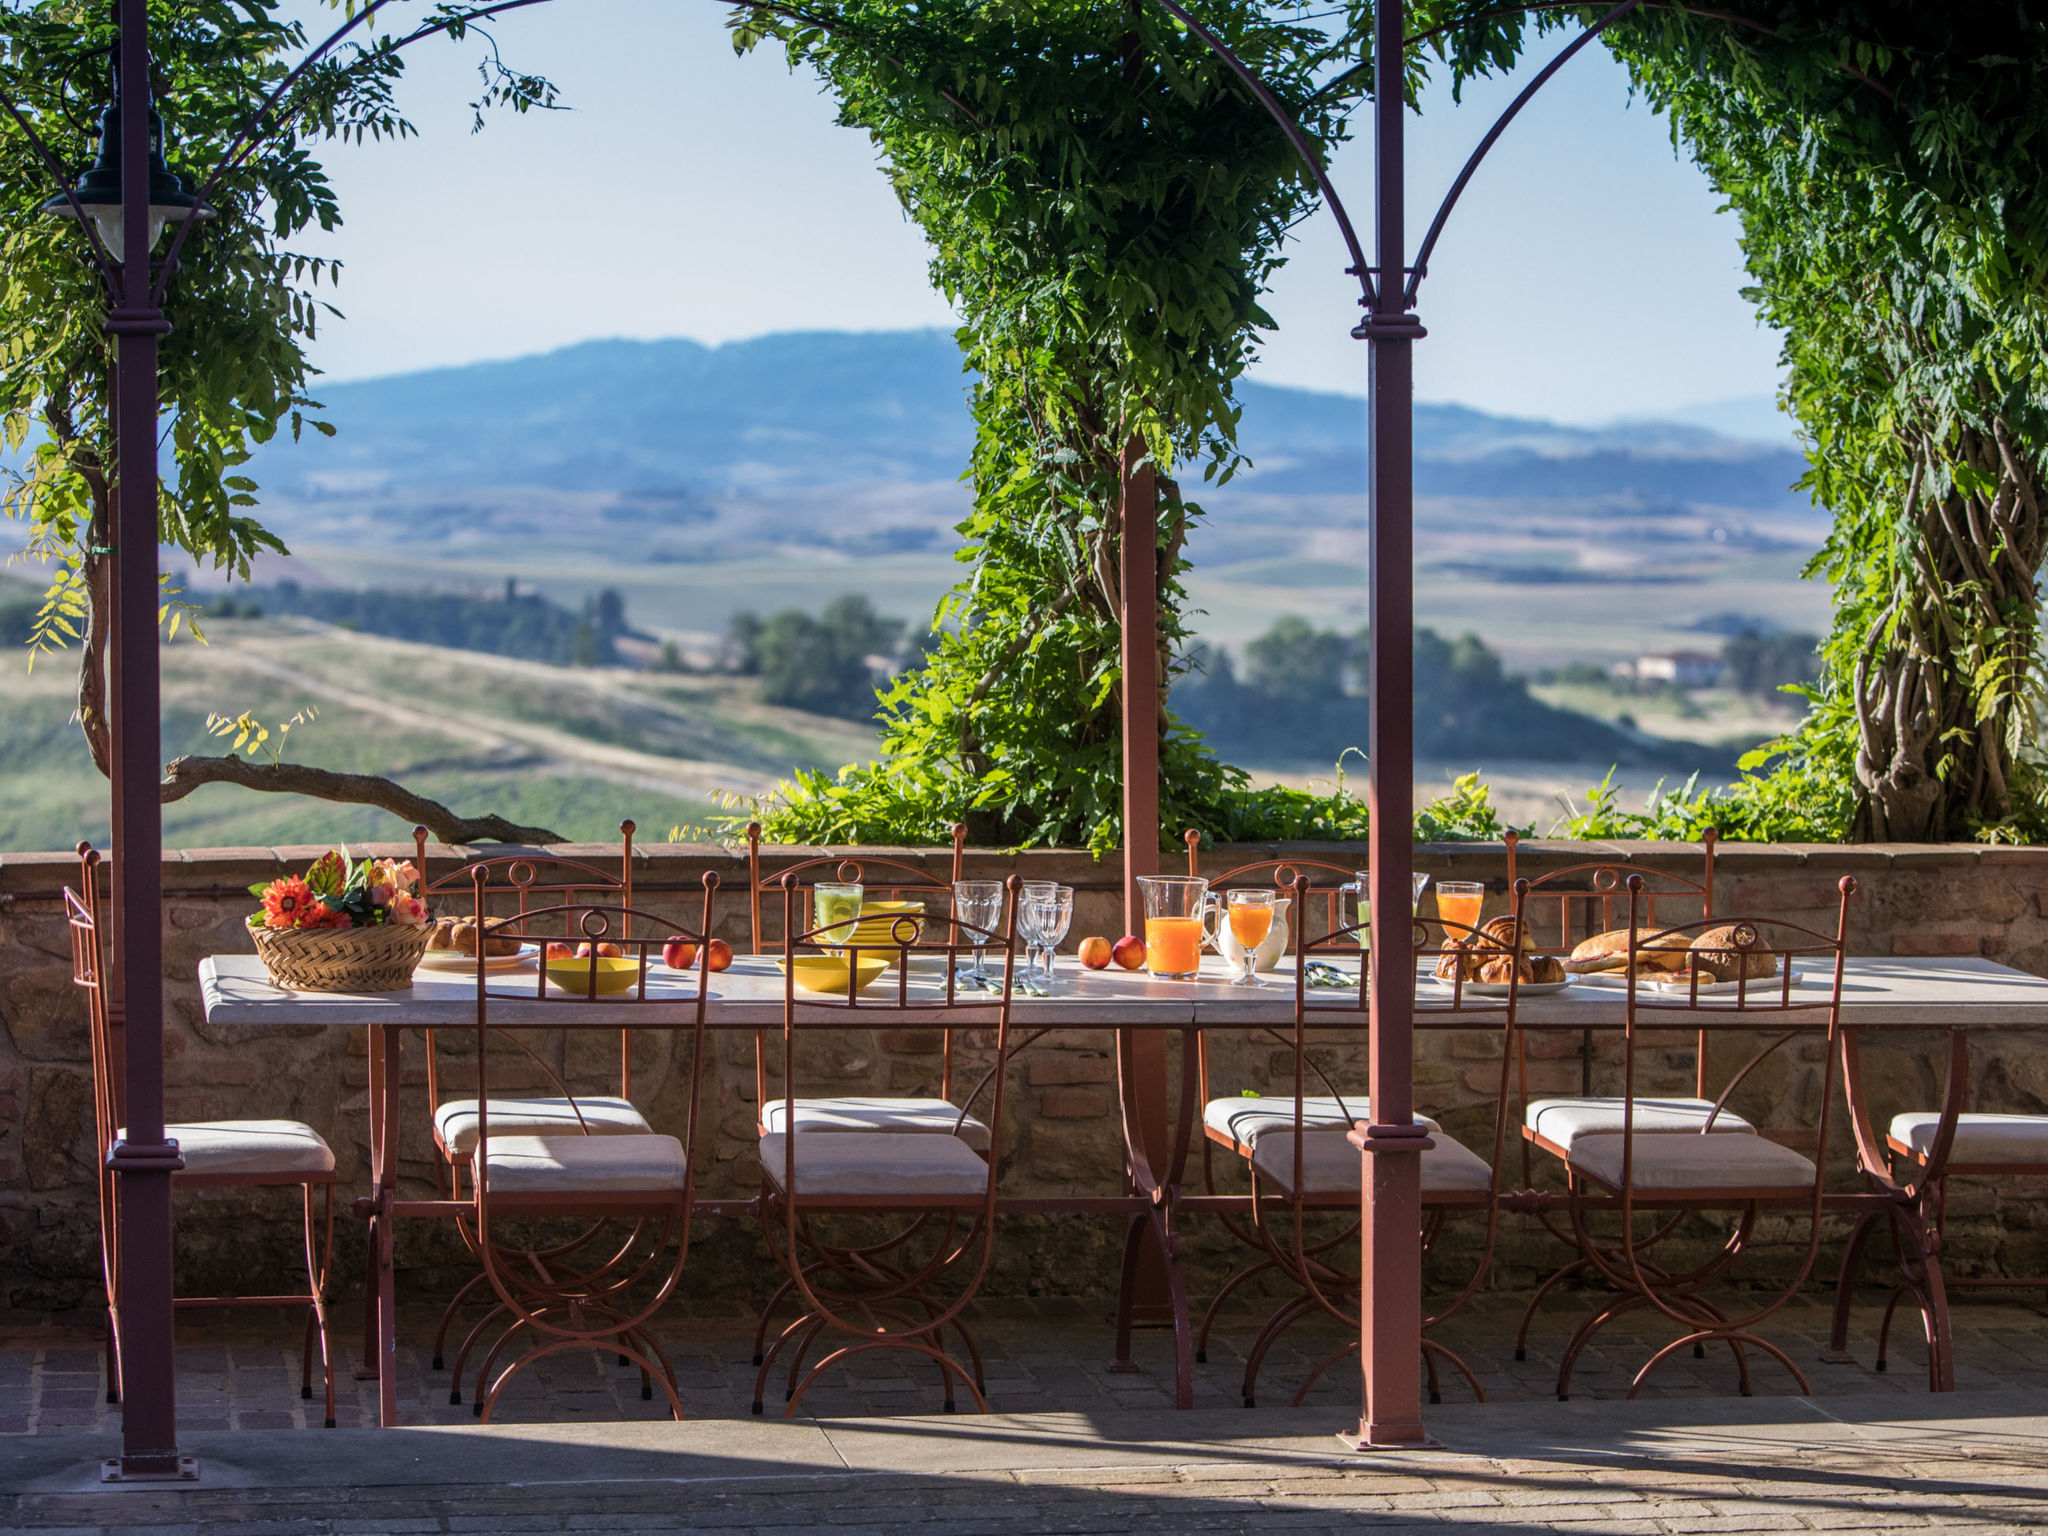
<point>379,959</point>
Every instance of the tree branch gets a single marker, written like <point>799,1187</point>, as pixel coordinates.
<point>185,774</point>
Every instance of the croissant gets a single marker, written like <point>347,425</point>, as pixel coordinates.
<point>1458,962</point>
<point>1505,968</point>
<point>1546,968</point>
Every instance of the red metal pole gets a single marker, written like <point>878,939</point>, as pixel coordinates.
<point>1391,1263</point>
<point>1139,578</point>
<point>143,1160</point>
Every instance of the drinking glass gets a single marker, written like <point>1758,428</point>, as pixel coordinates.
<point>1033,891</point>
<point>1358,886</point>
<point>1030,929</point>
<point>1056,915</point>
<point>1251,919</point>
<point>835,913</point>
<point>1459,901</point>
<point>1174,906</point>
<point>979,904</point>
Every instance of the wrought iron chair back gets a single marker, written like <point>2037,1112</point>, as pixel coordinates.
<point>905,877</point>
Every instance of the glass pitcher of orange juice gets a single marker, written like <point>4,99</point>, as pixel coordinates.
<point>1174,909</point>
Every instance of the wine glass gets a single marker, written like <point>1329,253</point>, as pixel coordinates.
<point>1056,915</point>
<point>1033,891</point>
<point>979,905</point>
<point>1030,929</point>
<point>835,913</point>
<point>1251,919</point>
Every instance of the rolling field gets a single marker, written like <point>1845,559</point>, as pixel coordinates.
<point>571,750</point>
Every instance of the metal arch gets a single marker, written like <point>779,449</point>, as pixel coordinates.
<point>101,257</point>
<point>1359,267</point>
<point>1421,268</point>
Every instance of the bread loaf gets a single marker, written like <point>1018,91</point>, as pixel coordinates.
<point>1732,952</point>
<point>1609,952</point>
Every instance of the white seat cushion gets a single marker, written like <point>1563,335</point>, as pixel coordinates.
<point>250,1146</point>
<point>1979,1138</point>
<point>912,1164</point>
<point>1245,1120</point>
<point>1331,1165</point>
<point>1675,1164</point>
<point>1562,1122</point>
<point>569,1165</point>
<point>873,1114</point>
<point>455,1121</point>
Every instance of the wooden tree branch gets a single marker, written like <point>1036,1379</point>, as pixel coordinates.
<point>185,774</point>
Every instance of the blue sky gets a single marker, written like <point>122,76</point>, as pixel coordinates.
<point>1587,274</point>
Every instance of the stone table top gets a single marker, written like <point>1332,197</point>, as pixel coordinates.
<point>1892,992</point>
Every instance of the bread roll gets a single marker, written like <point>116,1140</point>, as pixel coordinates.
<point>1727,953</point>
<point>1504,968</point>
<point>1457,962</point>
<point>1609,952</point>
<point>1546,968</point>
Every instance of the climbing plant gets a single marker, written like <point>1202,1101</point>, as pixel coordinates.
<point>1889,161</point>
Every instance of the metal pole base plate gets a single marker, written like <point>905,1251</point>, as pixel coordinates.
<point>187,1471</point>
<point>1352,1440</point>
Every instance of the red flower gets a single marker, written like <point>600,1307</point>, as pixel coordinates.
<point>323,916</point>
<point>289,903</point>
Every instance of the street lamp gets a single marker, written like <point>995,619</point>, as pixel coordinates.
<point>98,193</point>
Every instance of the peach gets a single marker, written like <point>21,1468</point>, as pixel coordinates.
<point>721,954</point>
<point>1095,953</point>
<point>678,953</point>
<point>1129,952</point>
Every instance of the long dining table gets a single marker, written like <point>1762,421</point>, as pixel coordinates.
<point>1951,997</point>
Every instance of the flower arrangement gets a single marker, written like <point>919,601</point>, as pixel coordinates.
<point>341,892</point>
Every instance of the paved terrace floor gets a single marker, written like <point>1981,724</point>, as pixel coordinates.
<point>1072,1447</point>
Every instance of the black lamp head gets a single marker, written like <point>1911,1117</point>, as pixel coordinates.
<point>99,189</point>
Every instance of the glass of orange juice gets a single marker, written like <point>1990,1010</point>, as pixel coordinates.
<point>1251,919</point>
<point>1459,901</point>
<point>1174,906</point>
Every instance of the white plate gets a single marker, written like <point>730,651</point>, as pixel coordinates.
<point>1756,986</point>
<point>1529,988</point>
<point>456,960</point>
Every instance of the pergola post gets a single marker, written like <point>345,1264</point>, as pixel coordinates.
<point>1138,579</point>
<point>142,1160</point>
<point>1390,1344</point>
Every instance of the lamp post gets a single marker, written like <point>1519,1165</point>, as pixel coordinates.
<point>127,196</point>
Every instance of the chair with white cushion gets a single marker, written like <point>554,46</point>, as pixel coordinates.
<point>620,1196</point>
<point>218,1154</point>
<point>1565,906</point>
<point>1633,1169</point>
<point>1305,1169</point>
<point>513,890</point>
<point>1231,1127</point>
<point>1921,1161</point>
<point>884,1226</point>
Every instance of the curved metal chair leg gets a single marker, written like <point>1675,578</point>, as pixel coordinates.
<point>448,1315</point>
<point>947,1364</point>
<point>1845,1289</point>
<point>1751,1339</point>
<point>1529,1312</point>
<point>1216,1304</point>
<point>1431,1348</point>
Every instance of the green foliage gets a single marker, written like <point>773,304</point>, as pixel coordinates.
<point>1889,160</point>
<point>522,624</point>
<point>250,732</point>
<point>1105,204</point>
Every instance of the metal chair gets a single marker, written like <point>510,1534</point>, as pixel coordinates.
<point>1303,1164</point>
<point>936,1192</point>
<point>591,1290</point>
<point>218,1154</point>
<point>1563,908</point>
<point>516,889</point>
<point>1665,1166</point>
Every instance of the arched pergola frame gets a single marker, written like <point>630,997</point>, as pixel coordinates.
<point>1389,284</point>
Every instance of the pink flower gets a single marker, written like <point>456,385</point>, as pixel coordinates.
<point>409,910</point>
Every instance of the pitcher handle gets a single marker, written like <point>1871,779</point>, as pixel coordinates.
<point>1214,916</point>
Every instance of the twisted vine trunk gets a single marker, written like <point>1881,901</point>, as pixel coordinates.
<point>1945,687</point>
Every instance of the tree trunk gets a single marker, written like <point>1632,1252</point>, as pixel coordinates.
<point>1946,687</point>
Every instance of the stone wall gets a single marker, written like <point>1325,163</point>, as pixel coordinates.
<point>1062,1132</point>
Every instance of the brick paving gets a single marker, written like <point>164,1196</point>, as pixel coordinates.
<point>1073,1447</point>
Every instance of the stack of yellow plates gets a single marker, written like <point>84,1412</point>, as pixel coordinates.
<point>881,923</point>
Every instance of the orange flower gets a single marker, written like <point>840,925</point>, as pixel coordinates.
<point>323,916</point>
<point>288,903</point>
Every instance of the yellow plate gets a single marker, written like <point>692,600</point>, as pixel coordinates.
<point>613,975</point>
<point>878,920</point>
<point>826,974</point>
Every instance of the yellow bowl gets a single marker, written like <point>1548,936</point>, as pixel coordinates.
<point>613,975</point>
<point>826,974</point>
